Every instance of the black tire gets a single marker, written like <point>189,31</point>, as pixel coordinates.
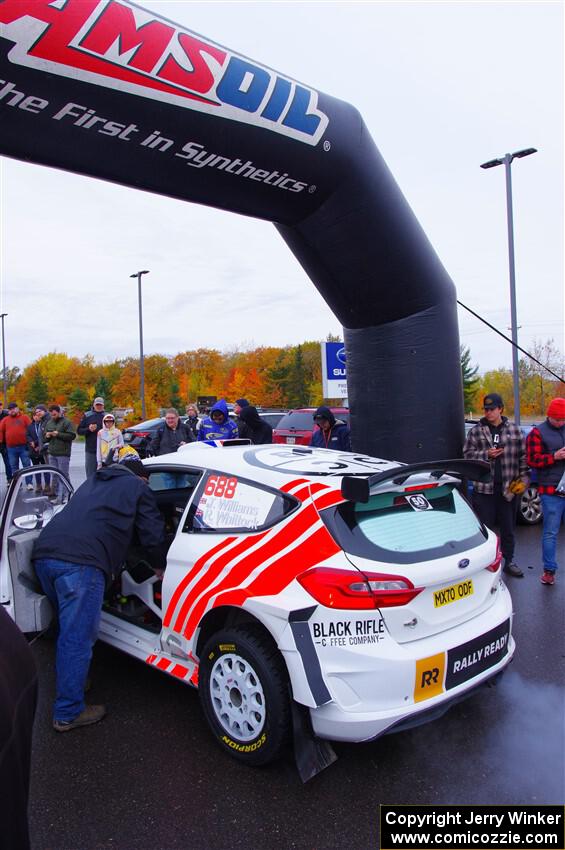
<point>243,688</point>
<point>529,506</point>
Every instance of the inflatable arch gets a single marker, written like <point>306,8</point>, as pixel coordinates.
<point>108,89</point>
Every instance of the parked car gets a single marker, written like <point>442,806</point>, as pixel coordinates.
<point>273,417</point>
<point>529,507</point>
<point>296,426</point>
<point>139,436</point>
<point>363,601</point>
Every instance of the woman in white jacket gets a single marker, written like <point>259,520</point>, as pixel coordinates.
<point>109,440</point>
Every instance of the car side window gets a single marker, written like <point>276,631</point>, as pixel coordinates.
<point>225,503</point>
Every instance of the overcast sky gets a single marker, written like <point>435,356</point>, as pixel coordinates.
<point>442,87</point>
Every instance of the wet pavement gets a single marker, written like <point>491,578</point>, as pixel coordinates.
<point>151,776</point>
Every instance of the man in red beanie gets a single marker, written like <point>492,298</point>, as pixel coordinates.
<point>546,453</point>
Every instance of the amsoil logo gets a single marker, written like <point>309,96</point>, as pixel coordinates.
<point>121,46</point>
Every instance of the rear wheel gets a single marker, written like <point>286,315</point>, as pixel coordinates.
<point>529,507</point>
<point>243,689</point>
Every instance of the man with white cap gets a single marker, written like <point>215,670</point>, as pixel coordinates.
<point>546,453</point>
<point>89,426</point>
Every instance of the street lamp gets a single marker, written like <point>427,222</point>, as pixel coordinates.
<point>141,368</point>
<point>2,316</point>
<point>506,161</point>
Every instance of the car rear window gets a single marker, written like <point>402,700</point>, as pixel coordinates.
<point>296,420</point>
<point>407,527</point>
<point>146,426</point>
<point>272,418</point>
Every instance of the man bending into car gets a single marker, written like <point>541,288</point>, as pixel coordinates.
<point>77,555</point>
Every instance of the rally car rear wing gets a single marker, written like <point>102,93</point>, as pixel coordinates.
<point>358,489</point>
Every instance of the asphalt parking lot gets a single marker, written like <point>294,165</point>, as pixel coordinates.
<point>151,776</point>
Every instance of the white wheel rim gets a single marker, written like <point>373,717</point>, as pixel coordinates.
<point>237,697</point>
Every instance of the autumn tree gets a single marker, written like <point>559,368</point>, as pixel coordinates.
<point>499,381</point>
<point>537,385</point>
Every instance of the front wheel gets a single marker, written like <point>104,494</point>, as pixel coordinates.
<point>243,687</point>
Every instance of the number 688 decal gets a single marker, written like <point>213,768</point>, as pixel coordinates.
<point>220,486</point>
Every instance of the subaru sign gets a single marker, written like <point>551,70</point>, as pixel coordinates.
<point>334,371</point>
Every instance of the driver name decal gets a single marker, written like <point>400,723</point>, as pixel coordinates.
<point>120,46</point>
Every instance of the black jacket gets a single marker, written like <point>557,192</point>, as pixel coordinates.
<point>36,435</point>
<point>253,427</point>
<point>18,698</point>
<point>106,514</point>
<point>167,440</point>
<point>91,417</point>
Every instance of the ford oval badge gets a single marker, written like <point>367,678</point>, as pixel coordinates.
<point>464,563</point>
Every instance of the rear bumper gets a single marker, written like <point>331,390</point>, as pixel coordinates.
<point>334,723</point>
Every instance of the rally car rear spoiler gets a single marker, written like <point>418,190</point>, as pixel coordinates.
<point>358,489</point>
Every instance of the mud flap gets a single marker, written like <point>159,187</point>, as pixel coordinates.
<point>311,754</point>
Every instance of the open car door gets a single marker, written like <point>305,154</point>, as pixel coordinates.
<point>33,497</point>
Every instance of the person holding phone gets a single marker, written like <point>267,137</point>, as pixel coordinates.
<point>501,443</point>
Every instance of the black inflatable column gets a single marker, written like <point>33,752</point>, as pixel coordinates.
<point>370,259</point>
<point>405,389</point>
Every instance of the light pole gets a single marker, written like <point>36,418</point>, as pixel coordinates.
<point>2,316</point>
<point>141,367</point>
<point>506,161</point>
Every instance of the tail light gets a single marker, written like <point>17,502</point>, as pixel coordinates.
<point>495,566</point>
<point>345,589</point>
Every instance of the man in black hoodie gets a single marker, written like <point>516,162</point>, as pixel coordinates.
<point>331,433</point>
<point>253,427</point>
<point>76,555</point>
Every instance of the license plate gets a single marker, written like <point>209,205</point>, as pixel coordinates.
<point>453,593</point>
<point>291,439</point>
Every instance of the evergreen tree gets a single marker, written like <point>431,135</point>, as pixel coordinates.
<point>175,400</point>
<point>78,402</point>
<point>296,382</point>
<point>103,388</point>
<point>38,391</point>
<point>470,378</point>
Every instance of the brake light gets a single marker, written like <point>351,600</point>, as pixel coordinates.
<point>420,487</point>
<point>344,589</point>
<point>495,566</point>
<point>142,433</point>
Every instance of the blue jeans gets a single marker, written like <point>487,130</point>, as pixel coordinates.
<point>17,453</point>
<point>76,592</point>
<point>4,453</point>
<point>553,512</point>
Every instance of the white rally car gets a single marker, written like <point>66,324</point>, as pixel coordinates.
<point>364,594</point>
